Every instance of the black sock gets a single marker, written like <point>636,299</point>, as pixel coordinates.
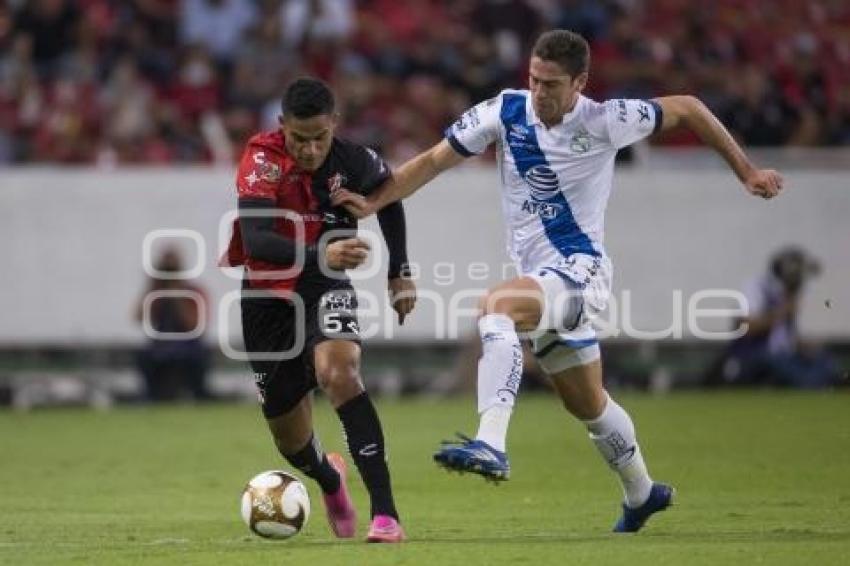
<point>366,445</point>
<point>311,460</point>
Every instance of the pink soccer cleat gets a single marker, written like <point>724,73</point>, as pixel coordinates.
<point>385,529</point>
<point>340,511</point>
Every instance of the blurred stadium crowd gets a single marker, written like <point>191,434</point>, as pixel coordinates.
<point>171,81</point>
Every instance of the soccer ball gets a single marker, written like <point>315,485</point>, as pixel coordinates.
<point>275,504</point>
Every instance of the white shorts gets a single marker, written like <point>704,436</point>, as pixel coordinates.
<point>575,290</point>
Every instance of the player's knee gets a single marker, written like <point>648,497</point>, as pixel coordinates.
<point>516,309</point>
<point>582,403</point>
<point>340,372</point>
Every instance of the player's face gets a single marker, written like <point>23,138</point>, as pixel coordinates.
<point>308,140</point>
<point>553,91</point>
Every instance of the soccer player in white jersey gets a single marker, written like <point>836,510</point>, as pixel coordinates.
<point>556,152</point>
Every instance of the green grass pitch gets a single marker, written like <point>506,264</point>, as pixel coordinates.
<point>762,478</point>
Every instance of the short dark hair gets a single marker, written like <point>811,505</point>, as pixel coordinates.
<point>566,48</point>
<point>306,98</point>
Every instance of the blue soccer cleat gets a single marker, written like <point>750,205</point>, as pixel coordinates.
<point>660,498</point>
<point>476,456</point>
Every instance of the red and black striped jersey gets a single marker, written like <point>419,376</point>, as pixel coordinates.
<point>267,171</point>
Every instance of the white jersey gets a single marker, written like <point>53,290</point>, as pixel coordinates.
<point>555,181</point>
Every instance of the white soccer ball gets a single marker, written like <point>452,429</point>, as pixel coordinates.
<point>275,504</point>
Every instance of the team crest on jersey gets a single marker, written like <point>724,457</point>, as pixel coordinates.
<point>580,142</point>
<point>265,169</point>
<point>270,172</point>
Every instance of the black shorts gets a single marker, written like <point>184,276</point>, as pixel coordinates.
<point>280,329</point>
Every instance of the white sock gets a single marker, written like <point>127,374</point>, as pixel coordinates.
<point>614,435</point>
<point>499,374</point>
<point>493,427</point>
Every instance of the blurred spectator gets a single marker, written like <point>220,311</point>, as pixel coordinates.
<point>217,25</point>
<point>196,89</point>
<point>771,351</point>
<point>508,24</point>
<point>757,112</point>
<point>127,101</point>
<point>149,36</point>
<point>210,71</point>
<point>324,21</point>
<point>51,26</point>
<point>838,120</point>
<point>173,366</point>
<point>586,17</point>
<point>158,20</point>
<point>261,65</point>
<point>67,130</point>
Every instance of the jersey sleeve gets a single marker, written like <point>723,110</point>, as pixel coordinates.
<point>258,174</point>
<point>372,170</point>
<point>476,129</point>
<point>630,121</point>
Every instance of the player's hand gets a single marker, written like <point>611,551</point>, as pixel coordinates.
<point>357,205</point>
<point>346,254</point>
<point>402,292</point>
<point>764,183</point>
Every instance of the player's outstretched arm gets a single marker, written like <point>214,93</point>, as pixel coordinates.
<point>405,181</point>
<point>690,112</point>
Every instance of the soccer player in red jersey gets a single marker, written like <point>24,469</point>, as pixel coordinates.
<point>295,246</point>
